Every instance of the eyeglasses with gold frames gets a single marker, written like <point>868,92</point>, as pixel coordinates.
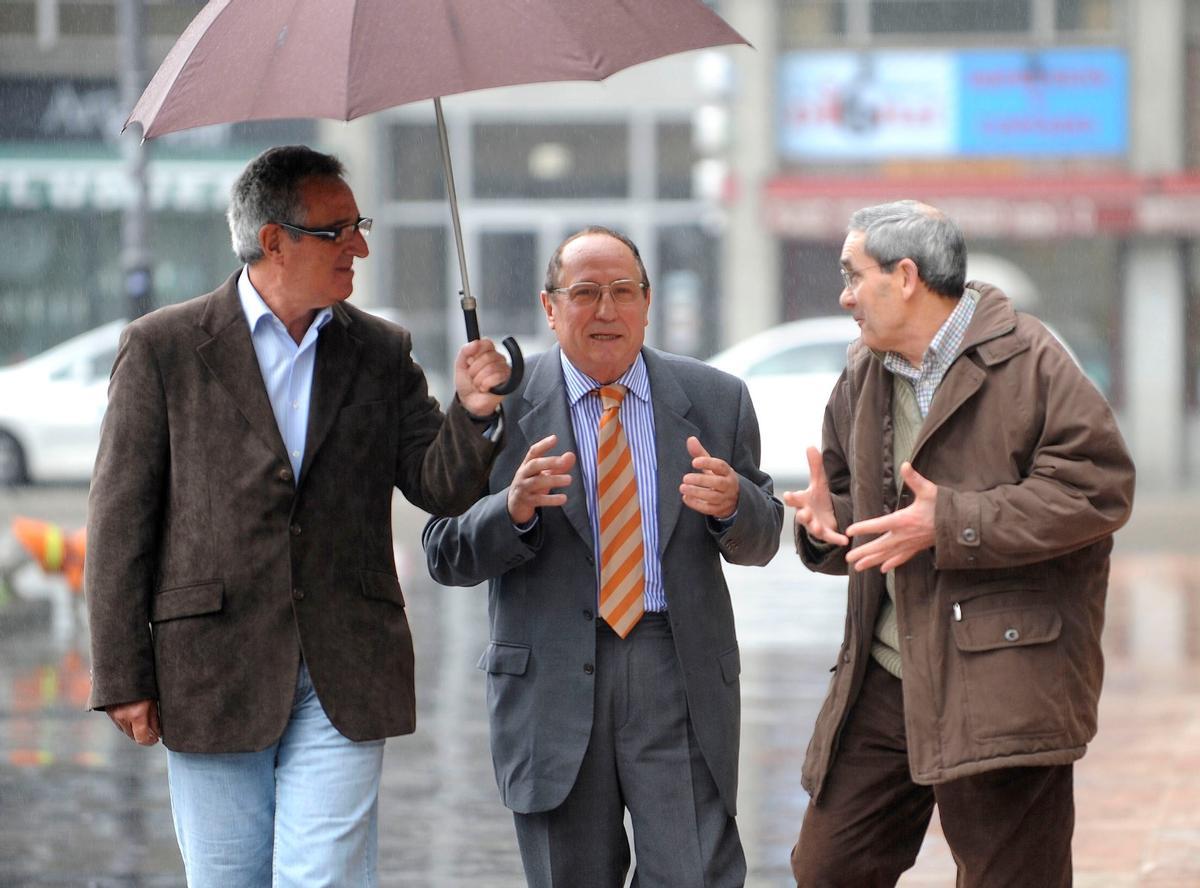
<point>588,293</point>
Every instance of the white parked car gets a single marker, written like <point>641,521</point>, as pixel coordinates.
<point>51,406</point>
<point>790,371</point>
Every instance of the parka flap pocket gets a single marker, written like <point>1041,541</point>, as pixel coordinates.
<point>187,601</point>
<point>1000,629</point>
<point>504,658</point>
<point>381,586</point>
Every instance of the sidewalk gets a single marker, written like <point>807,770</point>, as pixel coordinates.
<point>1138,788</point>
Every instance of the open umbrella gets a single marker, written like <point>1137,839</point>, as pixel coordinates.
<point>340,59</point>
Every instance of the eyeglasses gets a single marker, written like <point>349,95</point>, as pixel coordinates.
<point>587,293</point>
<point>339,234</point>
<point>851,279</point>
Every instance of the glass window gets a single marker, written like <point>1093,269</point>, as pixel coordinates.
<point>509,284</point>
<point>950,16</point>
<point>420,290</point>
<point>1086,15</point>
<point>87,19</point>
<point>810,284</point>
<point>676,157</point>
<point>684,283</point>
<point>172,18</point>
<point>561,160</point>
<point>17,18</point>
<point>60,271</point>
<point>416,162</point>
<point>804,22</point>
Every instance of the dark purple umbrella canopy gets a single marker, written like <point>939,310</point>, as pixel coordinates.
<point>340,59</point>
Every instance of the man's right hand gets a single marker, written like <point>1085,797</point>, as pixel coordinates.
<point>535,480</point>
<point>138,720</point>
<point>814,506</point>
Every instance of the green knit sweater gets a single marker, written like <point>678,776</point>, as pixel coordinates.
<point>906,425</point>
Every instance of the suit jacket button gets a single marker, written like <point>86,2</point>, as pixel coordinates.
<point>285,475</point>
<point>298,593</point>
<point>588,668</point>
<point>587,614</point>
<point>969,535</point>
<point>295,528</point>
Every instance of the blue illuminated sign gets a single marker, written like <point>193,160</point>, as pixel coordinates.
<point>903,103</point>
<point>1052,102</point>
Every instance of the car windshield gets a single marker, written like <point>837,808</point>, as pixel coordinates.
<point>817,357</point>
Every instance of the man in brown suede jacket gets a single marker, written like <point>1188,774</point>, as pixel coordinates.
<point>970,483</point>
<point>241,584</point>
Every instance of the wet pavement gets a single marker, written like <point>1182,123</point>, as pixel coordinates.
<point>82,806</point>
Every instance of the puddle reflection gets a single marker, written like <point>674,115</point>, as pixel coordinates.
<point>80,805</point>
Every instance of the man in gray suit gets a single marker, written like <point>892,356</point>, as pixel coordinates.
<point>241,585</point>
<point>589,717</point>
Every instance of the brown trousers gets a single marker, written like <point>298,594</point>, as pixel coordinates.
<point>1009,828</point>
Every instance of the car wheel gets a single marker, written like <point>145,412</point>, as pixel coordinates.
<point>12,461</point>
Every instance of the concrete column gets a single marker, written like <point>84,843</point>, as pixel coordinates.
<point>1154,297</point>
<point>1152,326</point>
<point>750,272</point>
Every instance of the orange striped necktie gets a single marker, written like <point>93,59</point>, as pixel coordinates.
<point>622,577</point>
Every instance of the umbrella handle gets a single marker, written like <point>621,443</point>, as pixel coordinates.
<point>514,351</point>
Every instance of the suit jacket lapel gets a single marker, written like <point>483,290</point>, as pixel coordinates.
<point>338,354</point>
<point>671,430</point>
<point>546,394</point>
<point>229,356</point>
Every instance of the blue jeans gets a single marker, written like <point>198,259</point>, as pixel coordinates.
<point>303,812</point>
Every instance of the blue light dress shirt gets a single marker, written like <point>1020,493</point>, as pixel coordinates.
<point>287,367</point>
<point>637,418</point>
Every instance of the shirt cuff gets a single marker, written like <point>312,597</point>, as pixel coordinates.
<point>527,526</point>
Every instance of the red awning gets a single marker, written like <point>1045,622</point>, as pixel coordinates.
<point>817,208</point>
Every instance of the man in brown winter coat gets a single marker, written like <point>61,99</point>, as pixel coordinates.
<point>970,482</point>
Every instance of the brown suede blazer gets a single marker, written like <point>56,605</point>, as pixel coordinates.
<point>210,569</point>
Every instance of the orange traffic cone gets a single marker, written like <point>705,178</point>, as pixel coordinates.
<point>54,550</point>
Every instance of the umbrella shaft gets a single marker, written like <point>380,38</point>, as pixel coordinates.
<point>448,167</point>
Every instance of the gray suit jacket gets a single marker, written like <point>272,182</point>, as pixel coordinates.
<point>542,585</point>
<point>210,569</point>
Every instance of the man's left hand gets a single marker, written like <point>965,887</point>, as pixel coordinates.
<point>904,533</point>
<point>713,488</point>
<point>477,370</point>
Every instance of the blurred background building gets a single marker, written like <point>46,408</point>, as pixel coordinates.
<point>1061,133</point>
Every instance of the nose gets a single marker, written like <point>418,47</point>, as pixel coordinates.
<point>846,300</point>
<point>606,306</point>
<point>357,245</point>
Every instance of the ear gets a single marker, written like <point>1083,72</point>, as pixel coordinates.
<point>270,240</point>
<point>910,278</point>
<point>549,307</point>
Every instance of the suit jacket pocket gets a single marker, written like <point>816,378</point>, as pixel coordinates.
<point>381,586</point>
<point>731,665</point>
<point>187,601</point>
<point>504,658</point>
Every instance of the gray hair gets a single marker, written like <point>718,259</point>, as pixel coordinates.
<point>554,269</point>
<point>907,229</point>
<point>268,190</point>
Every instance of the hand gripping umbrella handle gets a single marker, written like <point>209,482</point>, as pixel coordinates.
<point>514,351</point>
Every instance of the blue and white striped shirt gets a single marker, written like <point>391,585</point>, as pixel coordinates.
<point>637,418</point>
<point>287,367</point>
